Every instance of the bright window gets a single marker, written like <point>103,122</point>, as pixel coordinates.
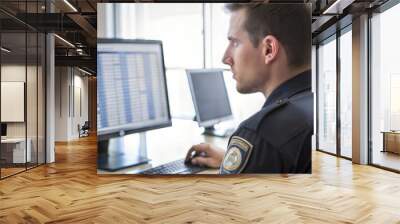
<point>327,96</point>
<point>346,94</point>
<point>385,83</point>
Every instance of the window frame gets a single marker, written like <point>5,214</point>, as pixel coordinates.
<point>333,36</point>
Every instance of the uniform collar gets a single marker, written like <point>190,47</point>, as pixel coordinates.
<point>293,86</point>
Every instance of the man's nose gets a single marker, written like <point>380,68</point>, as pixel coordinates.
<point>226,59</point>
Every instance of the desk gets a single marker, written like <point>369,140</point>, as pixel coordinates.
<point>16,147</point>
<point>169,144</point>
<point>391,141</point>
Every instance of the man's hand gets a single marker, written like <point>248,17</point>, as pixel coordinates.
<point>205,154</point>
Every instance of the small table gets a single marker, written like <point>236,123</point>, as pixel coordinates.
<point>391,141</point>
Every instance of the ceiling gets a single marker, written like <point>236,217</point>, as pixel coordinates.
<point>76,22</point>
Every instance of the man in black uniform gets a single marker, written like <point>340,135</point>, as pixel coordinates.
<point>269,51</point>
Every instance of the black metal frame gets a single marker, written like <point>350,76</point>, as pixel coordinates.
<point>332,37</point>
<point>26,88</point>
<point>369,90</point>
<point>326,40</point>
<point>338,98</point>
<point>0,92</point>
<point>316,97</point>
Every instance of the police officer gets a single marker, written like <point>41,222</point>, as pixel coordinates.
<point>269,51</point>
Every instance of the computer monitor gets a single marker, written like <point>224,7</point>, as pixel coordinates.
<point>131,93</point>
<point>210,99</point>
<point>3,130</point>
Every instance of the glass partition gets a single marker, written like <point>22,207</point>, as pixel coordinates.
<point>22,88</point>
<point>346,93</point>
<point>327,95</point>
<point>13,107</point>
<point>41,110</point>
<point>31,98</point>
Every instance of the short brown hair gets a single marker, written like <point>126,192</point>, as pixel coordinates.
<point>290,23</point>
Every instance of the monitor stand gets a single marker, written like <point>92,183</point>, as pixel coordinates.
<point>122,152</point>
<point>212,131</point>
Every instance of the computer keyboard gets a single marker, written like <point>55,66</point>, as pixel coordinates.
<point>174,167</point>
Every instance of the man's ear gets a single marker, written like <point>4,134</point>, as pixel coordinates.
<point>270,48</point>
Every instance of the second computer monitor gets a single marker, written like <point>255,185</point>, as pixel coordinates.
<point>210,97</point>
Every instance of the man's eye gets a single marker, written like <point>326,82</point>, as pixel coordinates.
<point>235,43</point>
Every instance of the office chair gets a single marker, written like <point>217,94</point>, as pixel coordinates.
<point>84,130</point>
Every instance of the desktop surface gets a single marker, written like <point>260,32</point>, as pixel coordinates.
<point>170,144</point>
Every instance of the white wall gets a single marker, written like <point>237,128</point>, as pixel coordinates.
<point>14,73</point>
<point>12,101</point>
<point>71,87</point>
<point>61,103</point>
<point>79,117</point>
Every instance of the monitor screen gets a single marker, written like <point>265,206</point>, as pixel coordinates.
<point>210,97</point>
<point>131,87</point>
<point>3,129</point>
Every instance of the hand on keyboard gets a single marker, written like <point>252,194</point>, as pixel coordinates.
<point>205,154</point>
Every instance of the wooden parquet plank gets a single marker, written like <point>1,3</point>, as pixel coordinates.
<point>70,191</point>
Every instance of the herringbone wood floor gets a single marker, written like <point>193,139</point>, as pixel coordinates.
<point>70,191</point>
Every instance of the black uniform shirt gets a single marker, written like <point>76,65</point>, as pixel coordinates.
<point>277,139</point>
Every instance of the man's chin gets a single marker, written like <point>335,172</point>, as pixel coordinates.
<point>243,90</point>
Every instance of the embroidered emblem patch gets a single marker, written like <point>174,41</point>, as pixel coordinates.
<point>236,156</point>
<point>232,159</point>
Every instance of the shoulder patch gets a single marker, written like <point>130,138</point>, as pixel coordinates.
<point>236,156</point>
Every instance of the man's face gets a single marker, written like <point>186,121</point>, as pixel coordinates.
<point>246,62</point>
